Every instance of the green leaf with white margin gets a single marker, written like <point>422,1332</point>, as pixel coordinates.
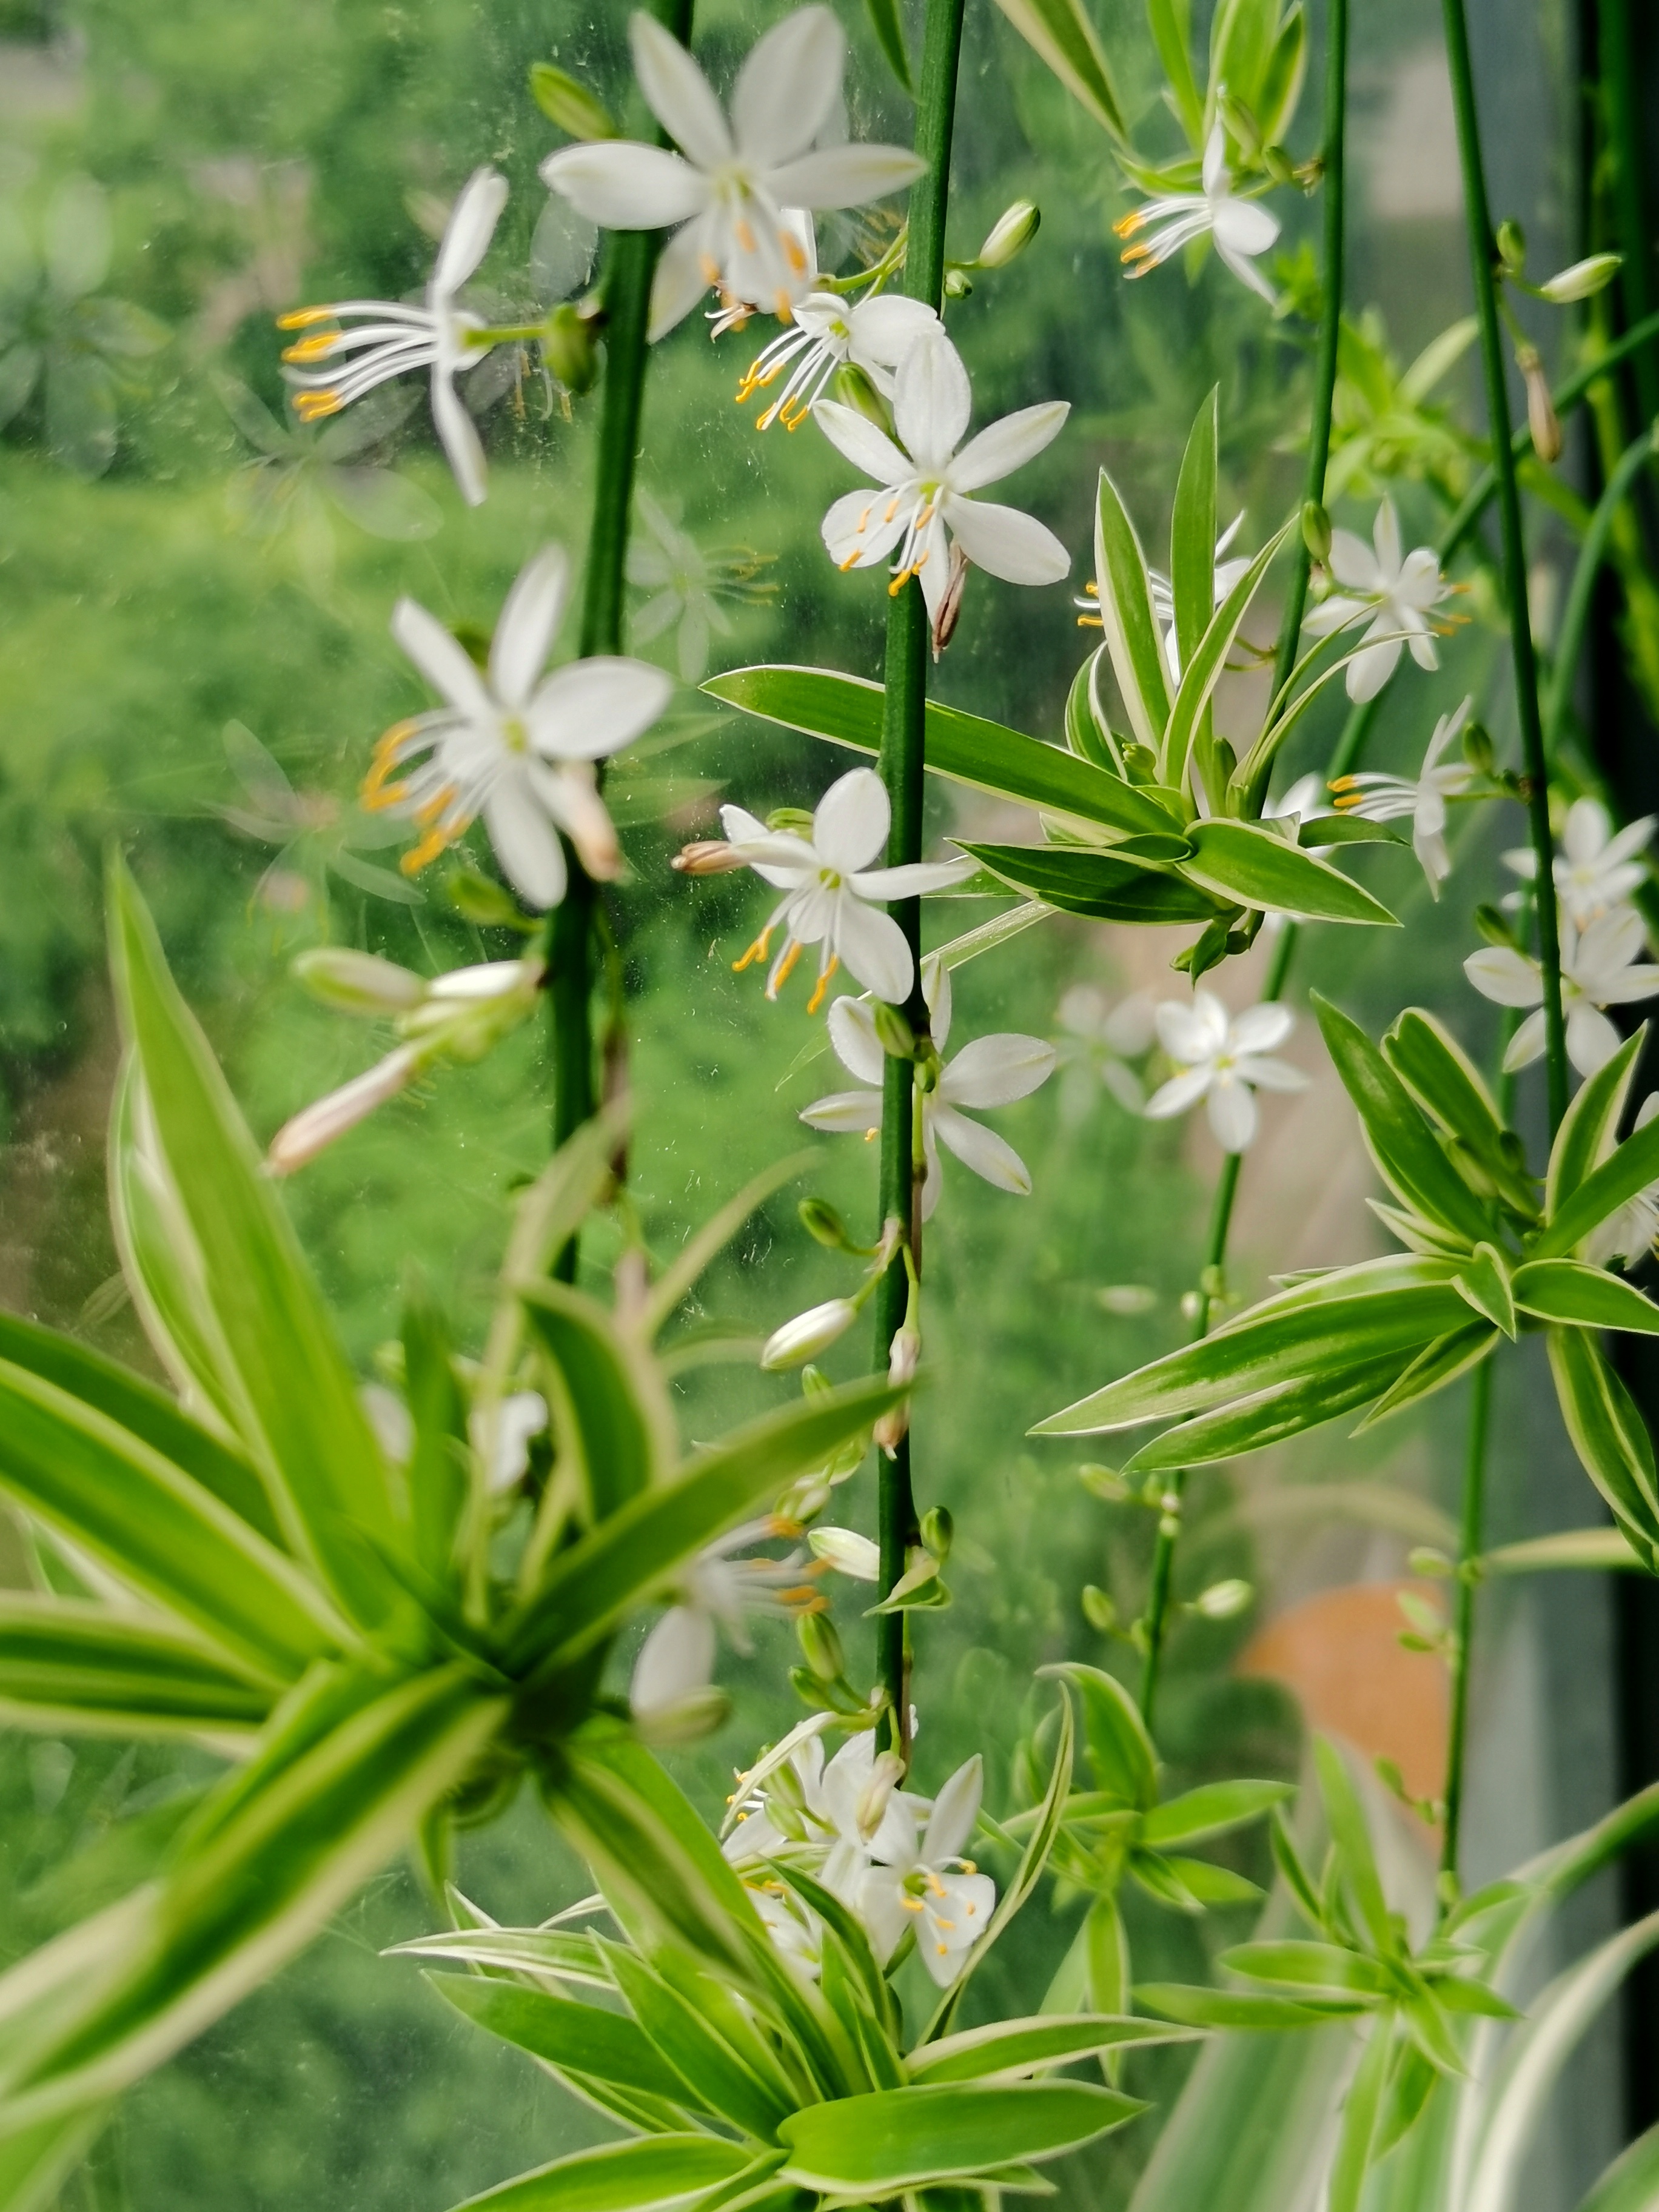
<point>100,2007</point>
<point>586,1588</point>
<point>1608,1434</point>
<point>1352,1842</point>
<point>161,1534</point>
<point>70,1665</point>
<point>1119,1750</point>
<point>1193,529</point>
<point>1631,2184</point>
<point>621,2177</point>
<point>1170,27</point>
<point>1407,1155</point>
<point>1434,1367</point>
<point>846,710</point>
<point>1535,2056</point>
<point>1268,1417</point>
<point>438,1469</point>
<point>1133,641</point>
<point>1197,2007</point>
<point>890,37</point>
<point>1446,1083</point>
<point>1360,2113</point>
<point>1200,670</point>
<point>1088,734</point>
<point>713,2076</point>
<point>1009,2050</point>
<point>145,1412</point>
<point>1062,34</point>
<point>568,2037</point>
<point>1483,1280</point>
<point>1589,1128</point>
<point>1632,1167</point>
<point>297,1408</point>
<point>1280,87</point>
<point>1324,1968</point>
<point>1254,864</point>
<point>35,2162</point>
<point>556,1951</point>
<point>1078,879</point>
<point>1583,1548</point>
<point>896,2139</point>
<point>1567,1291</point>
<point>1212,1809</point>
<point>611,1407</point>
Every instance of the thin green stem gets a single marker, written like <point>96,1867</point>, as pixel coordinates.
<point>901,771</point>
<point>1592,552</point>
<point>1330,328</point>
<point>1617,65</point>
<point>1471,1541</point>
<point>1483,254</point>
<point>630,264</point>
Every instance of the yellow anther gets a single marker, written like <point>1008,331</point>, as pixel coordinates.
<point>317,349</point>
<point>757,951</point>
<point>817,998</point>
<point>1128,225</point>
<point>302,319</point>
<point>744,236</point>
<point>794,252</point>
<point>786,967</point>
<point>1090,622</point>
<point>425,853</point>
<point>313,406</point>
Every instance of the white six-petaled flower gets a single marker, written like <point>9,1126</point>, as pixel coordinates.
<point>1223,1059</point>
<point>919,1875</point>
<point>827,333</point>
<point>1100,1041</point>
<point>1596,869</point>
<point>831,889</point>
<point>1242,229</point>
<point>924,504</point>
<point>828,1815</point>
<point>1398,591</point>
<point>992,1071</point>
<point>511,744</point>
<point>1377,798</point>
<point>729,187</point>
<point>372,340</point>
<point>717,1590</point>
<point>1600,967</point>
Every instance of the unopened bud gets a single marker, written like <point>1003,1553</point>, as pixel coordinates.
<point>1098,1610</point>
<point>824,1225</point>
<point>1425,1560</point>
<point>1241,125</point>
<point>903,1354</point>
<point>957,285</point>
<point>939,1532</point>
<point>1583,279</point>
<point>568,349</point>
<point>1104,1482</point>
<point>1222,1600</point>
<point>1127,1298</point>
<point>1511,247</point>
<point>688,1720</point>
<point>808,1333</point>
<point>1542,418</point>
<point>299,1141</point>
<point>1494,926</point>
<point>569,104</point>
<point>893,1032</point>
<point>359,982</point>
<point>1478,748</point>
<point>706,856</point>
<point>1317,531</point>
<point>1009,235</point>
<point>848,1552</point>
<point>821,1646</point>
<point>853,389</point>
<point>1280,165</point>
<point>886,1772</point>
<point>795,820</point>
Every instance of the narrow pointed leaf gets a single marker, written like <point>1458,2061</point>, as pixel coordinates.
<point>438,1474</point>
<point>623,2176</point>
<point>1134,643</point>
<point>1241,860</point>
<point>877,2145</point>
<point>1483,1280</point>
<point>1583,1298</point>
<point>1211,1810</point>
<point>1100,885</point>
<point>1607,1431</point>
<point>611,1407</point>
<point>1603,1191</point>
<point>1119,1750</point>
<point>1063,34</point>
<point>67,1664</point>
<point>571,1958</point>
<point>567,2036</point>
<point>1204,2008</point>
<point>1589,1128</point>
<point>1322,1966</point>
<point>890,37</point>
<point>705,1245</point>
<point>1407,1155</point>
<point>1202,663</point>
<point>1352,1840</point>
<point>1631,2184</point>
<point>1446,1083</point>
<point>1585,1549</point>
<point>1008,2049</point>
<point>1435,1366</point>
<point>711,2075</point>
<point>1192,530</point>
<point>1360,2114</point>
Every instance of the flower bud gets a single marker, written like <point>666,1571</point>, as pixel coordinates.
<point>1583,279</point>
<point>937,1532</point>
<point>1478,748</point>
<point>1104,1482</point>
<point>1511,247</point>
<point>706,856</point>
<point>358,982</point>
<point>686,1721</point>
<point>824,1225</point>
<point>853,389</point>
<point>957,285</point>
<point>1542,418</point>
<point>904,1355</point>
<point>886,1772</point>
<point>1282,169</point>
<point>1127,1298</point>
<point>1241,125</point>
<point>1098,1610</point>
<point>313,1127</point>
<point>893,1032</point>
<point>567,348</point>
<point>1222,1600</point>
<point>848,1552</point>
<point>1317,531</point>
<point>1009,235</point>
<point>821,1646</point>
<point>1425,1560</point>
<point>808,1333</point>
<point>1494,926</point>
<point>569,104</point>
<point>795,819</point>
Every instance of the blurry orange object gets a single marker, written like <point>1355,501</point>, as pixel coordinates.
<point>1339,1654</point>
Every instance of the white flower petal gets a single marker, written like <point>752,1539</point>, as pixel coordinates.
<point>1244,268</point>
<point>467,234</point>
<point>852,1036</point>
<point>936,991</point>
<point>526,845</point>
<point>680,280</point>
<point>862,528</point>
<point>1214,171</point>
<point>1234,1117</point>
<point>1263,1028</point>
<point>1586,832</point>
<point>880,1907</point>
<point>913,881</point>
<point>849,824</point>
<point>1629,987</point>
<point>931,402</point>
<point>623,185</point>
<point>1385,536</point>
<point>845,1113</point>
<point>676,1659</point>
<point>302,1137</point>
<point>844,176</point>
<point>596,707</point>
<point>863,444</point>
<point>457,435</point>
<point>950,1823</point>
<point>1632,839</point>
<point>874,947</point>
<point>1244,227</point>
<point>1505,975</point>
<point>1006,542</point>
<point>444,663</point>
<point>1610,943</point>
<point>571,797</point>
<point>788,86</point>
<point>980,1149</point>
<point>1003,446</point>
<point>1179,1093</point>
<point>1592,1039</point>
<point>885,328</point>
<point>678,93</point>
<point>1526,1044</point>
<point>1370,669</point>
<point>1353,563</point>
<point>1269,1074</point>
<point>995,1071</point>
<point>523,632</point>
<point>1193,1033</point>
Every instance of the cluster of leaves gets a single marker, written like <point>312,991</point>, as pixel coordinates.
<point>1487,1258</point>
<point>384,1652</point>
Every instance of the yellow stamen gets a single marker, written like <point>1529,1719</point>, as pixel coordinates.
<point>710,268</point>
<point>1137,257</point>
<point>1127,227</point>
<point>794,252</point>
<point>744,236</point>
<point>757,951</point>
<point>302,319</point>
<point>817,998</point>
<point>785,968</point>
<point>317,349</point>
<point>780,306</point>
<point>1090,622</point>
<point>313,406</point>
<point>870,1136</point>
<point>421,855</point>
